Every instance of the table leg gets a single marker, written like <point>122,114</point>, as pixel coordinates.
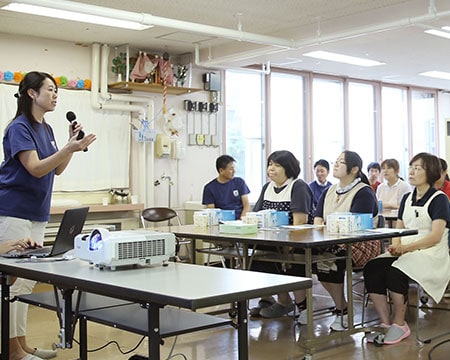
<point>349,269</point>
<point>242,328</point>
<point>154,335</point>
<point>5,316</point>
<point>66,320</point>
<point>309,294</point>
<point>83,338</point>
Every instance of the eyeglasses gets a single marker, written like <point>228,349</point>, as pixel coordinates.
<point>415,168</point>
<point>339,162</point>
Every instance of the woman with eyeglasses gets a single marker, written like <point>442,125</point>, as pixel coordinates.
<point>351,194</point>
<point>423,257</point>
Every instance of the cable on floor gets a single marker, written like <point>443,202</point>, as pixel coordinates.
<point>117,345</point>
<point>435,346</point>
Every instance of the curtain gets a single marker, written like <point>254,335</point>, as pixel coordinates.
<point>106,164</point>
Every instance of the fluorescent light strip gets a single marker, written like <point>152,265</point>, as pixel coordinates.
<point>74,16</point>
<point>325,55</point>
<point>439,32</point>
<point>437,74</point>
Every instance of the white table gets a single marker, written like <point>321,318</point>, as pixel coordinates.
<point>181,285</point>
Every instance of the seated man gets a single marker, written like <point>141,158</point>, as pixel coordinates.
<point>227,192</point>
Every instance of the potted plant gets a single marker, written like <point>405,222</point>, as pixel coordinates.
<point>119,66</point>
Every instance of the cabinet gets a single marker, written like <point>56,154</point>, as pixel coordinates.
<point>153,88</point>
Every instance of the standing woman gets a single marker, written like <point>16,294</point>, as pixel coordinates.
<point>352,194</point>
<point>392,190</point>
<point>31,160</point>
<point>422,257</point>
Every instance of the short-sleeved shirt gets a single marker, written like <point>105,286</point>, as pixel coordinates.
<point>21,194</point>
<point>438,209</point>
<point>226,196</point>
<point>317,190</point>
<point>392,194</point>
<point>295,196</point>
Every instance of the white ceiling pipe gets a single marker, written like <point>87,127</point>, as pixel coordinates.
<point>148,19</point>
<point>337,36</point>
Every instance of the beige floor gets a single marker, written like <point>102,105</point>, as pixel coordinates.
<point>268,339</point>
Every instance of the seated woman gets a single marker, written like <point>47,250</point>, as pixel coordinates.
<point>352,194</point>
<point>392,190</point>
<point>422,257</point>
<point>284,192</point>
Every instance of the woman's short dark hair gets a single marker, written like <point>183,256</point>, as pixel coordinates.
<point>287,160</point>
<point>322,162</point>
<point>353,159</point>
<point>32,80</point>
<point>431,165</point>
<point>223,161</point>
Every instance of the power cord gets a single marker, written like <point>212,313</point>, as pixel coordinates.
<point>117,345</point>
<point>135,357</point>
<point>435,346</point>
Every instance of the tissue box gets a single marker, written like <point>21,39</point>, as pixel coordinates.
<point>238,227</point>
<point>227,215</point>
<point>348,222</point>
<point>207,217</point>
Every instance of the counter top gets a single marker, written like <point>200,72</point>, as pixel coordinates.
<point>98,208</point>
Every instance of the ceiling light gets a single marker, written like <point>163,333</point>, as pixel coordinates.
<point>439,32</point>
<point>74,16</point>
<point>437,74</point>
<point>325,55</point>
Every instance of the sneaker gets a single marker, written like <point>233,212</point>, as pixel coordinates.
<point>263,303</point>
<point>396,333</point>
<point>44,354</point>
<point>276,310</point>
<point>372,336</point>
<point>303,317</point>
<point>340,323</point>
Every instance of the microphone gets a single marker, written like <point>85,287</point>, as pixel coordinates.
<point>70,116</point>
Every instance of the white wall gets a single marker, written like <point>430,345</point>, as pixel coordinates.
<point>188,175</point>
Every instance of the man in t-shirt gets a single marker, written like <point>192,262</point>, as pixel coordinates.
<point>227,192</point>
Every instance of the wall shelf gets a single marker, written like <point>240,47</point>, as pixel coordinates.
<point>153,88</point>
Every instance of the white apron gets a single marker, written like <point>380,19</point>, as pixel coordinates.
<point>429,267</point>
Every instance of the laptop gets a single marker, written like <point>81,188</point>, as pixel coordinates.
<point>71,225</point>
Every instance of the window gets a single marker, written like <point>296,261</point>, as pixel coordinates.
<point>361,121</point>
<point>423,118</point>
<point>244,127</point>
<point>327,119</point>
<point>286,114</point>
<point>394,127</point>
<point>376,127</point>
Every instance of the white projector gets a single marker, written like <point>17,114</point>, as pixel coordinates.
<point>131,247</point>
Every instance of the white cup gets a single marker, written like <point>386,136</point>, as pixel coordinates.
<point>105,201</point>
<point>134,199</point>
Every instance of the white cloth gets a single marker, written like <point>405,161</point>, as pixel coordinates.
<point>429,267</point>
<point>392,194</point>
